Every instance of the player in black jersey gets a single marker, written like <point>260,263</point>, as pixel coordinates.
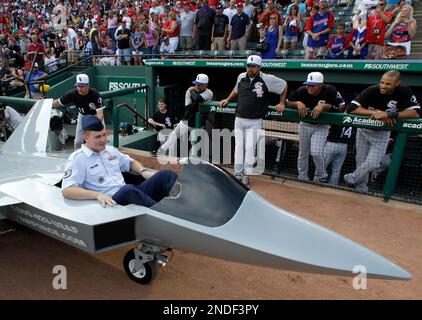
<point>387,102</point>
<point>86,99</point>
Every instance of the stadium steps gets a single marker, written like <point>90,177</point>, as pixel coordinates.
<point>416,51</point>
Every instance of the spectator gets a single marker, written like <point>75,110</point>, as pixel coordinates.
<point>403,29</point>
<point>230,11</point>
<point>9,116</point>
<point>292,26</point>
<point>258,18</point>
<point>33,91</point>
<point>36,47</point>
<point>338,44</point>
<point>248,8</point>
<point>156,8</point>
<point>300,5</point>
<point>110,51</point>
<point>306,17</point>
<point>272,35</point>
<point>138,45</point>
<point>111,24</point>
<point>50,62</point>
<point>239,29</point>
<point>171,30</point>
<point>357,41</point>
<point>166,48</point>
<point>204,21</point>
<point>151,40</point>
<point>187,18</point>
<point>271,10</point>
<point>376,26</point>
<point>24,43</point>
<point>72,45</point>
<point>122,37</point>
<point>318,27</point>
<point>94,38</point>
<point>219,30</point>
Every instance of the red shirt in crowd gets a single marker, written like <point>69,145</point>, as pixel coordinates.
<point>376,27</point>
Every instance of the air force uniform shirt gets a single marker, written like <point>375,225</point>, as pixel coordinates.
<point>97,171</point>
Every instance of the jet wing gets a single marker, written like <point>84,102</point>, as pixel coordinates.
<point>83,224</point>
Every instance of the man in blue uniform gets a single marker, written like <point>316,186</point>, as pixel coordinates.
<point>94,172</point>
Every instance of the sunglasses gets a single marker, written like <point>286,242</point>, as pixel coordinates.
<point>81,85</point>
<point>273,18</point>
<point>252,66</point>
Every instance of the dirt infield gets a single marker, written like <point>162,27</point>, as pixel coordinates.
<point>391,229</point>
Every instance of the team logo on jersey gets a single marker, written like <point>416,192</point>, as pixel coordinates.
<point>259,89</point>
<point>67,174</point>
<point>392,105</point>
<point>100,179</point>
<point>91,105</point>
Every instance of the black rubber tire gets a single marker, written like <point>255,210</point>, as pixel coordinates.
<point>144,276</point>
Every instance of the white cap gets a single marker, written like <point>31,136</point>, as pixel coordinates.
<point>201,79</point>
<point>82,79</point>
<point>314,79</point>
<point>36,64</point>
<point>254,60</point>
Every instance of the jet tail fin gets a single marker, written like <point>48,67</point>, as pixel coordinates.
<point>32,133</point>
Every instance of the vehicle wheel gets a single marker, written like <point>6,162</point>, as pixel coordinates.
<point>145,274</point>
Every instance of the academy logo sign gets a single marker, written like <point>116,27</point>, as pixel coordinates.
<point>222,109</point>
<point>367,122</point>
<point>412,125</point>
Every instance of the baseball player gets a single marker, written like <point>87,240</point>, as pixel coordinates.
<point>199,93</point>
<point>387,101</point>
<point>95,172</point>
<point>316,97</point>
<point>86,99</point>
<point>338,140</point>
<point>252,90</point>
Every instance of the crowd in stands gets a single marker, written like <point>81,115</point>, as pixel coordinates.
<point>128,31</point>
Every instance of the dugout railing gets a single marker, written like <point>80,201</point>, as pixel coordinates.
<point>400,177</point>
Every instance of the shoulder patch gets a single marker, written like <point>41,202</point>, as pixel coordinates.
<point>67,174</point>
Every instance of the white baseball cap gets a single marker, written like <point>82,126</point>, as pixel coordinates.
<point>201,79</point>
<point>254,60</point>
<point>82,79</point>
<point>35,65</point>
<point>314,79</point>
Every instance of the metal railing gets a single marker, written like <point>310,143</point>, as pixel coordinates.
<point>404,130</point>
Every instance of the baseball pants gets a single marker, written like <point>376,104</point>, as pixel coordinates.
<point>181,130</point>
<point>371,146</point>
<point>148,192</point>
<point>246,135</point>
<point>312,138</point>
<point>334,153</point>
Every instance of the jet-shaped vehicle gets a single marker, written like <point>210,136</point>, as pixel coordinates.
<point>207,212</point>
